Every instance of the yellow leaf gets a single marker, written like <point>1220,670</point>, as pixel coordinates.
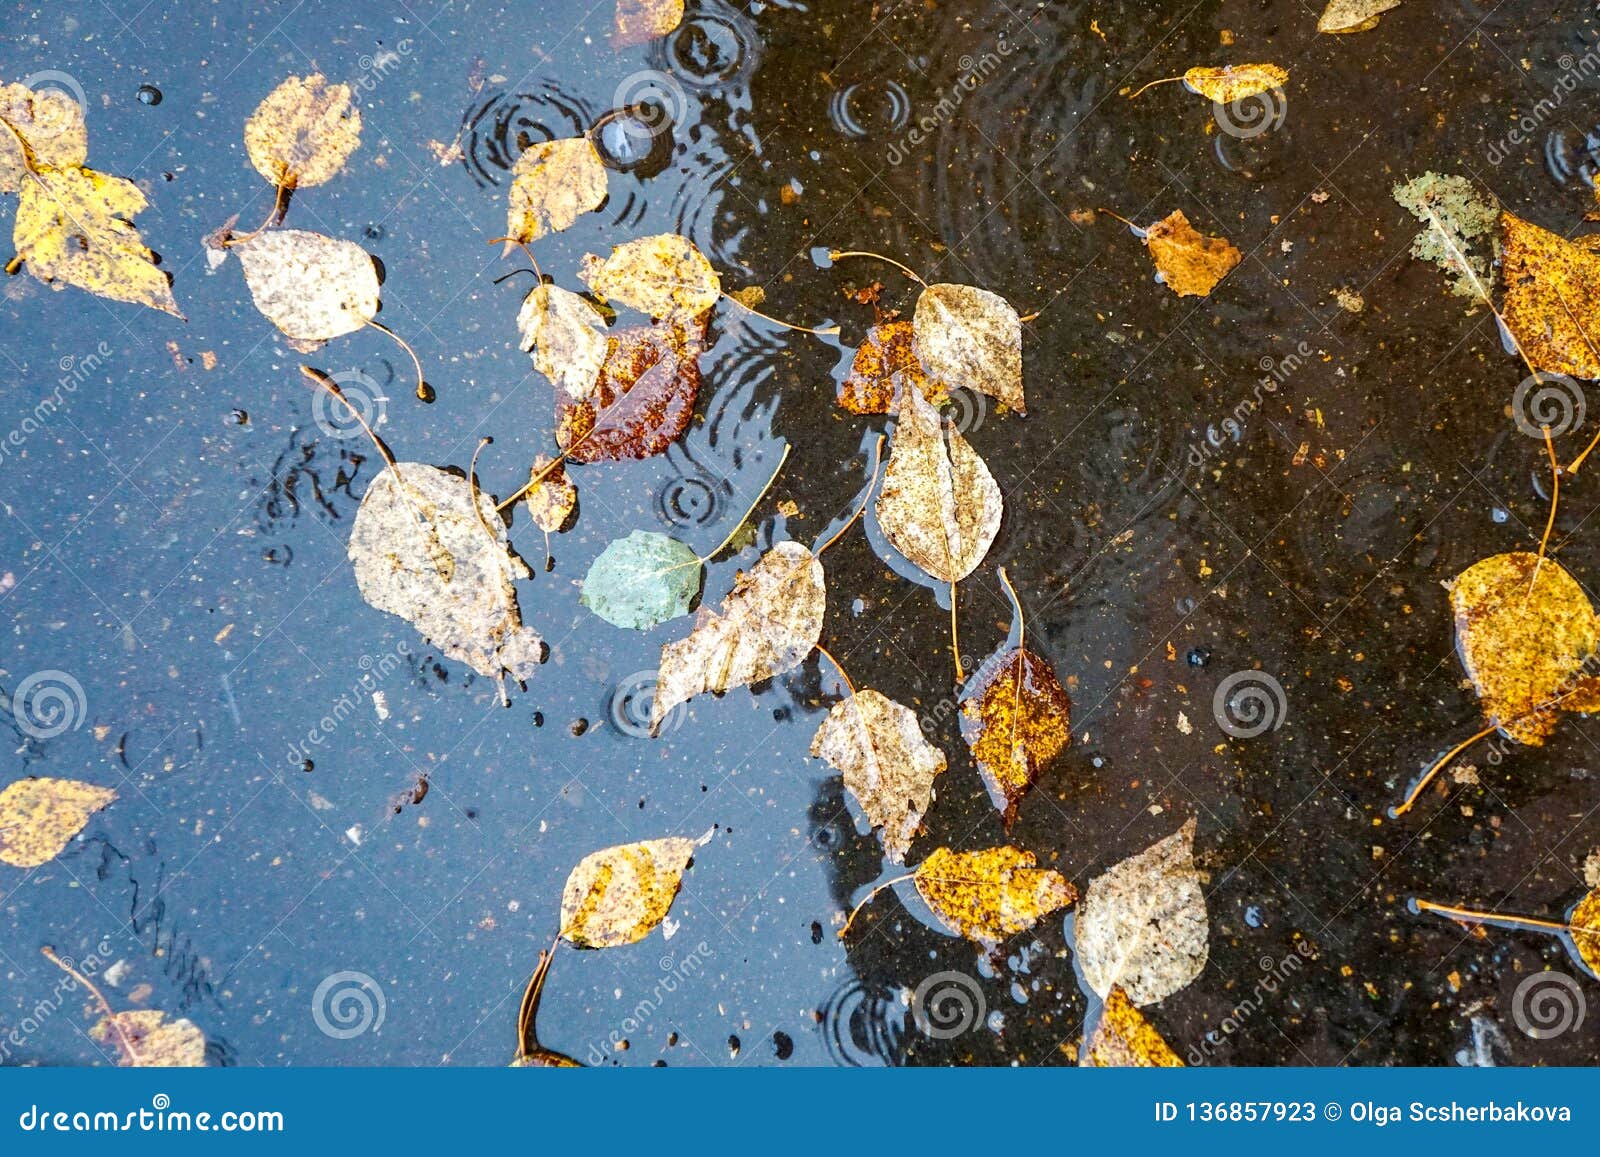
<point>1235,81</point>
<point>1189,262</point>
<point>640,21</point>
<point>47,131</point>
<point>967,336</point>
<point>39,817</point>
<point>553,184</point>
<point>1124,1039</point>
<point>1143,924</point>
<point>311,287</point>
<point>887,763</point>
<point>1525,641</point>
<point>885,364</point>
<point>939,505</point>
<point>567,336</point>
<point>75,226</point>
<point>1585,925</point>
<point>303,133</point>
<point>550,499</point>
<point>664,276</point>
<point>990,895</point>
<point>146,1039</point>
<point>617,895</point>
<point>1353,15</point>
<point>768,625</point>
<point>1552,297</point>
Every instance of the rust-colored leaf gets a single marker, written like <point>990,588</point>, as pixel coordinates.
<point>642,401</point>
<point>885,363</point>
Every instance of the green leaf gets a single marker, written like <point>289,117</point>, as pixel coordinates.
<point>644,579</point>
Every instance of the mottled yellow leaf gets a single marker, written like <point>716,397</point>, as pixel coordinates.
<point>303,132</point>
<point>887,763</point>
<point>553,184</point>
<point>551,499</point>
<point>1189,262</point>
<point>567,337</point>
<point>1585,923</point>
<point>664,276</point>
<point>970,337</point>
<point>990,895</point>
<point>39,817</point>
<point>1552,297</point>
<point>1122,1038</point>
<point>885,364</point>
<point>640,21</point>
<point>146,1039</point>
<point>311,287</point>
<point>74,226</point>
<point>1143,926</point>
<point>47,132</point>
<point>1235,81</point>
<point>1353,15</point>
<point>617,895</point>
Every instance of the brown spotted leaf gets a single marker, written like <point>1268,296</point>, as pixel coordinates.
<point>39,817</point>
<point>1343,16</point>
<point>641,21</point>
<point>553,184</point>
<point>642,401</point>
<point>970,337</point>
<point>1235,81</point>
<point>1552,297</point>
<point>552,498</point>
<point>887,763</point>
<point>1525,642</point>
<point>989,896</point>
<point>51,128</point>
<point>664,276</point>
<point>145,1039</point>
<point>885,363</point>
<point>1189,262</point>
<point>1143,926</point>
<point>303,133</point>
<point>311,287</point>
<point>768,625</point>
<point>1122,1039</point>
<point>617,895</point>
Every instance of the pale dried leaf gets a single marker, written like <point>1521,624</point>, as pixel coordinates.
<point>617,895</point>
<point>145,1039</point>
<point>567,336</point>
<point>311,287</point>
<point>664,276</point>
<point>553,184</point>
<point>970,337</point>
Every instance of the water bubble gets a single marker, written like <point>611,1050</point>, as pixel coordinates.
<point>149,94</point>
<point>871,108</point>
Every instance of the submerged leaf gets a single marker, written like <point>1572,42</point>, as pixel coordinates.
<point>1189,262</point>
<point>303,132</point>
<point>145,1039</point>
<point>311,287</point>
<point>1457,221</point>
<point>640,21</point>
<point>74,226</point>
<point>990,895</point>
<point>1353,15</point>
<point>1143,924</point>
<point>642,580</point>
<point>939,505</point>
<point>39,817</point>
<point>1552,297</point>
<point>664,276</point>
<point>768,625</point>
<point>886,363</point>
<point>422,553</point>
<point>52,131</point>
<point>887,763</point>
<point>1122,1038</point>
<point>642,401</point>
<point>1235,81</point>
<point>970,337</point>
<point>567,336</point>
<point>553,184</point>
<point>1525,641</point>
<point>617,895</point>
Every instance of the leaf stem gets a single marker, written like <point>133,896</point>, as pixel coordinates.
<point>1153,83</point>
<point>1469,915</point>
<point>1137,228</point>
<point>272,217</point>
<point>527,1030</point>
<point>723,545</point>
<point>1555,499</point>
<point>422,386</point>
<point>835,254</point>
<point>955,637</point>
<point>867,899</point>
<point>824,331</point>
<point>877,463</point>
<point>111,1013</point>
<point>839,667</point>
<point>523,245</point>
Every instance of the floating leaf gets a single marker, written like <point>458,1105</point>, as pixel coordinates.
<point>551,498</point>
<point>887,763</point>
<point>1235,81</point>
<point>640,21</point>
<point>642,580</point>
<point>567,336</point>
<point>52,130</point>
<point>939,506</point>
<point>39,817</point>
<point>1015,718</point>
<point>74,226</point>
<point>553,184</point>
<point>1585,929</point>
<point>970,337</point>
<point>1458,220</point>
<point>885,363</point>
<point>1524,641</point>
<point>1552,297</point>
<point>311,287</point>
<point>1189,262</point>
<point>303,133</point>
<point>642,401</point>
<point>990,895</point>
<point>1143,924</point>
<point>617,895</point>
<point>664,276</point>
<point>768,625</point>
<point>423,553</point>
<point>1123,1039</point>
<point>145,1039</point>
<point>1353,15</point>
